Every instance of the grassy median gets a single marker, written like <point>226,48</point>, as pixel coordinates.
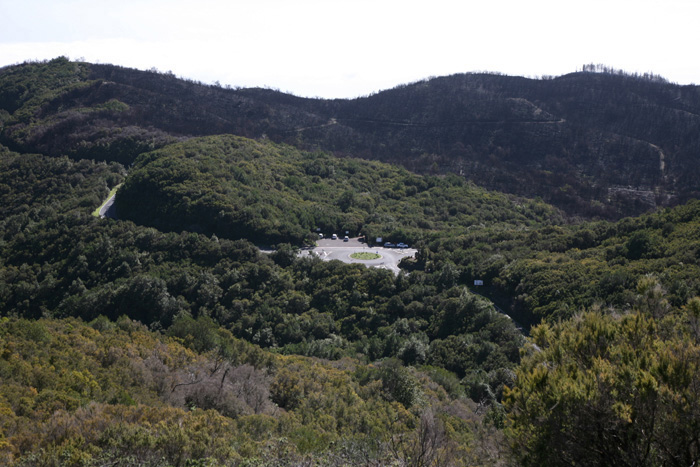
<point>365,255</point>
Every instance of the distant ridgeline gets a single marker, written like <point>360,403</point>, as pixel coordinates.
<point>603,144</point>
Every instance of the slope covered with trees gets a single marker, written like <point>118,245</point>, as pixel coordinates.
<point>597,144</point>
<point>239,188</point>
<point>59,261</point>
<point>167,338</point>
<point>552,273</point>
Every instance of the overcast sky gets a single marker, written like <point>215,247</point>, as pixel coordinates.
<point>330,48</point>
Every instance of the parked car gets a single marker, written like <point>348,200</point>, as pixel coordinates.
<point>401,245</point>
<point>346,239</point>
<point>389,245</point>
<point>334,237</point>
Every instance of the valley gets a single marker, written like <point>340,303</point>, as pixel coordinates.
<point>209,324</point>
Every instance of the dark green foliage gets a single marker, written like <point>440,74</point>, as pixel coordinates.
<point>553,272</point>
<point>594,144</point>
<point>398,383</point>
<point>642,244</point>
<point>63,262</point>
<point>57,108</point>
<point>36,83</point>
<point>239,188</point>
<point>39,186</point>
<point>201,334</point>
<point>405,348</point>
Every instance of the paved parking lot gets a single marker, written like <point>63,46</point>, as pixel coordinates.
<point>328,249</point>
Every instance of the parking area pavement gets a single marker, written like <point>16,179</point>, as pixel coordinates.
<point>328,249</point>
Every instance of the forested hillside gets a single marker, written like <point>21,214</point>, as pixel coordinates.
<point>58,261</point>
<point>239,188</point>
<point>554,272</point>
<point>167,338</point>
<point>596,144</point>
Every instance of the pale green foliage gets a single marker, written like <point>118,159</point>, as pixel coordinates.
<point>610,390</point>
<point>114,393</point>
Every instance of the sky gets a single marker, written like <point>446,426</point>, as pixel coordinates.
<point>345,49</point>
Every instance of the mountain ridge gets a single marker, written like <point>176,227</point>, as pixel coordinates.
<point>597,145</point>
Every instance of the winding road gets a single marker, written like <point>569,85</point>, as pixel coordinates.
<point>108,209</point>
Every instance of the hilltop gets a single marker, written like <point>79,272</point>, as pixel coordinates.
<point>236,187</point>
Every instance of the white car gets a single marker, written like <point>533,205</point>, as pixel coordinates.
<point>334,237</point>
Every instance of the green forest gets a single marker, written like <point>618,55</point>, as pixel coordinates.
<point>167,337</point>
<point>240,188</point>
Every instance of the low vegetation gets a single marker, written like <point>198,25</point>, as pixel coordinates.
<point>363,255</point>
<point>114,393</point>
<point>613,390</point>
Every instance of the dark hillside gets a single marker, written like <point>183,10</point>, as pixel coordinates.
<point>595,144</point>
<point>105,112</point>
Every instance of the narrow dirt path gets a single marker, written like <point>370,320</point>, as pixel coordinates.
<point>330,122</point>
